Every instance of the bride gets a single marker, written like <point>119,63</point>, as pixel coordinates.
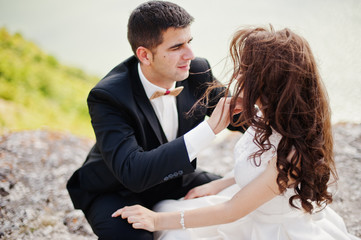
<point>283,163</point>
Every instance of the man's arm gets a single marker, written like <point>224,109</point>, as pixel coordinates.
<point>133,166</point>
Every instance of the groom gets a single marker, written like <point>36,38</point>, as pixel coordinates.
<point>145,143</point>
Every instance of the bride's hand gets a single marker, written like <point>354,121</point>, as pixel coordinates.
<point>140,217</point>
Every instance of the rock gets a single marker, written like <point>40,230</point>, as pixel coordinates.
<point>35,165</point>
<point>34,168</point>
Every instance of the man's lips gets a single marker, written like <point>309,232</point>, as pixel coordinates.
<point>184,67</point>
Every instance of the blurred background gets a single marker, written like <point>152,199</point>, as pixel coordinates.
<point>53,52</point>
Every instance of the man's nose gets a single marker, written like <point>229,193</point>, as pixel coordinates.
<point>188,54</point>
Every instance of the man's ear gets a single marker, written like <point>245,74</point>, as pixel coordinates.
<point>144,55</point>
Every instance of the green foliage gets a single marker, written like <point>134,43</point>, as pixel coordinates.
<point>36,91</point>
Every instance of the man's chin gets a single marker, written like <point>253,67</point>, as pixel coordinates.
<point>183,77</point>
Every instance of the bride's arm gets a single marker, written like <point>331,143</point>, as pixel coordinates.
<point>260,190</point>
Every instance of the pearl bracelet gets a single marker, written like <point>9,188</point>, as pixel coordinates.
<point>182,219</point>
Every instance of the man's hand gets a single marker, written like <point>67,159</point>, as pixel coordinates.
<point>220,117</point>
<point>201,191</point>
<point>211,188</point>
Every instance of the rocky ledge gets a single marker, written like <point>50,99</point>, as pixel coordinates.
<point>35,165</point>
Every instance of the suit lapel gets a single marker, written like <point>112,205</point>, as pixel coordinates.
<point>144,104</point>
<point>184,104</point>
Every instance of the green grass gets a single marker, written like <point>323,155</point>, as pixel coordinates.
<point>36,91</point>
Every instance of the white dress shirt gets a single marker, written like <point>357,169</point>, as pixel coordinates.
<point>166,110</point>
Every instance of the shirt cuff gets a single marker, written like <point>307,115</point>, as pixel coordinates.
<point>198,139</point>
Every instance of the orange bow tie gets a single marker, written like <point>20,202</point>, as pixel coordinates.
<point>175,92</point>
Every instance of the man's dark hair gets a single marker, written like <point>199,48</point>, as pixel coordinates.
<point>149,20</point>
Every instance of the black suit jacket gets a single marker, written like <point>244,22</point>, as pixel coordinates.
<point>131,154</point>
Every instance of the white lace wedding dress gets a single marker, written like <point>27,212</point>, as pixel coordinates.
<point>274,220</point>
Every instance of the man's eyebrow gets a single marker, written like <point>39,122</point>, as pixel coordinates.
<point>176,45</point>
<point>180,44</point>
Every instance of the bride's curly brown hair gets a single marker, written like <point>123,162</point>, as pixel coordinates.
<point>278,69</point>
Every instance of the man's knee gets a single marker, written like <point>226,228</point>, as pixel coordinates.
<point>118,228</point>
<point>107,227</point>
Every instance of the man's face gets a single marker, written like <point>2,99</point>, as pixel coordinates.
<point>171,59</point>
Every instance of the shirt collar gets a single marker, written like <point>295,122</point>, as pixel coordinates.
<point>149,87</point>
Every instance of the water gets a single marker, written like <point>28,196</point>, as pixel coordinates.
<point>91,34</point>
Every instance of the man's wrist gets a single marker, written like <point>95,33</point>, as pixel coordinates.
<point>198,139</point>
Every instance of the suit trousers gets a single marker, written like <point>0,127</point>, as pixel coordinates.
<point>108,228</point>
